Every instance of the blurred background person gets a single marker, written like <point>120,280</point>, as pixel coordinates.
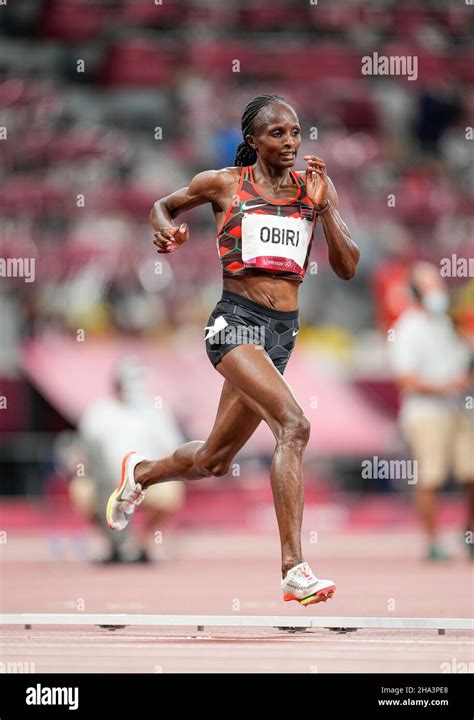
<point>108,429</point>
<point>433,367</point>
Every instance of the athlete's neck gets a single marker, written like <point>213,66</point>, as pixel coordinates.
<point>265,174</point>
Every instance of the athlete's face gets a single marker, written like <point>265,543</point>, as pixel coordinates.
<point>277,135</point>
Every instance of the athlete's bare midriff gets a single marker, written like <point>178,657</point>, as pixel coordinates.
<point>268,290</point>
<point>264,288</point>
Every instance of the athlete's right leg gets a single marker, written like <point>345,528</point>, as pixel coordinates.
<point>264,389</point>
<point>235,423</point>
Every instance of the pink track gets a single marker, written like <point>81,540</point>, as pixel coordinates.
<point>223,573</point>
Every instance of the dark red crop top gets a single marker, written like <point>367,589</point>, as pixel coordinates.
<point>260,235</point>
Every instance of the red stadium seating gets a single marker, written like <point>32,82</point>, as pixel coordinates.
<point>140,62</point>
<point>74,19</point>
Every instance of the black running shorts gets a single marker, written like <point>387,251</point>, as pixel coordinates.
<point>236,320</point>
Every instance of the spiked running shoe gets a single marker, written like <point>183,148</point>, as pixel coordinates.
<point>127,496</point>
<point>302,585</point>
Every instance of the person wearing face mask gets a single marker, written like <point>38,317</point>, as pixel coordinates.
<point>433,369</point>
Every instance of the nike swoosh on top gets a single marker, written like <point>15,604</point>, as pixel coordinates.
<point>245,207</point>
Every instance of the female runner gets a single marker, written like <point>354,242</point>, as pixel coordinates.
<point>265,214</point>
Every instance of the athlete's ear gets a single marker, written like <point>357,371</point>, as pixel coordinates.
<point>250,141</point>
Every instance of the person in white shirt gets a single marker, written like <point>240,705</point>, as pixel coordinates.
<point>108,429</point>
<point>433,368</point>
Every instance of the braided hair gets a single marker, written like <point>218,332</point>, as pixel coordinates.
<point>245,154</point>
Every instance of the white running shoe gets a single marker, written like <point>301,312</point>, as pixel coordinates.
<point>301,584</point>
<point>127,496</point>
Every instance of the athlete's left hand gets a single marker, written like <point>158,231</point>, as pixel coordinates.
<point>317,185</point>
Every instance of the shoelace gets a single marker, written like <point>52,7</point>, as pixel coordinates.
<point>307,573</point>
<point>130,503</point>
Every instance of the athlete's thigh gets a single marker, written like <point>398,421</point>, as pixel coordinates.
<point>235,423</point>
<point>260,385</point>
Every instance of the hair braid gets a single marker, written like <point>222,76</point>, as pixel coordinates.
<point>245,154</point>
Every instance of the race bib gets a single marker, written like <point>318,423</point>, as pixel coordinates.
<point>273,242</point>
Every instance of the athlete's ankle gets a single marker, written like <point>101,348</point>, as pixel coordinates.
<point>142,473</point>
<point>288,564</point>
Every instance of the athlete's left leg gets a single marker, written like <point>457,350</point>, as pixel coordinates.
<point>235,423</point>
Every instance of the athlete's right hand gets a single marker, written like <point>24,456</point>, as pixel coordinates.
<point>169,238</point>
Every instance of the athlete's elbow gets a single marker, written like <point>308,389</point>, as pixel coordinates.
<point>346,275</point>
<point>153,212</point>
<point>159,208</point>
<point>346,272</point>
<point>350,268</point>
<point>349,273</point>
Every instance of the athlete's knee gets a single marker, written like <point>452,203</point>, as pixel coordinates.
<point>185,459</point>
<point>211,464</point>
<point>294,428</point>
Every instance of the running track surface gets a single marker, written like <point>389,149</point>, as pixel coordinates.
<point>222,573</point>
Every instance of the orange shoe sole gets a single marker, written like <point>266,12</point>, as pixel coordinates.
<point>320,596</point>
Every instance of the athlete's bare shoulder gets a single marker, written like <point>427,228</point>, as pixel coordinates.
<point>224,179</point>
<point>220,185</point>
<point>231,171</point>
<point>208,186</point>
<point>214,184</point>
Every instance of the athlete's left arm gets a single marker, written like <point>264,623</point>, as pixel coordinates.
<point>343,252</point>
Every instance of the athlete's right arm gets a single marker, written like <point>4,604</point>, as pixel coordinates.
<point>205,187</point>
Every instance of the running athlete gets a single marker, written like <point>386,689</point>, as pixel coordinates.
<point>265,214</point>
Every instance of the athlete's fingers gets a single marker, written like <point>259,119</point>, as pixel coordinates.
<point>315,165</point>
<point>162,243</point>
<point>160,235</point>
<point>317,184</point>
<point>177,235</point>
<point>161,240</point>
<point>315,158</point>
<point>166,250</point>
<point>170,238</point>
<point>182,234</point>
<point>164,235</point>
<point>313,173</point>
